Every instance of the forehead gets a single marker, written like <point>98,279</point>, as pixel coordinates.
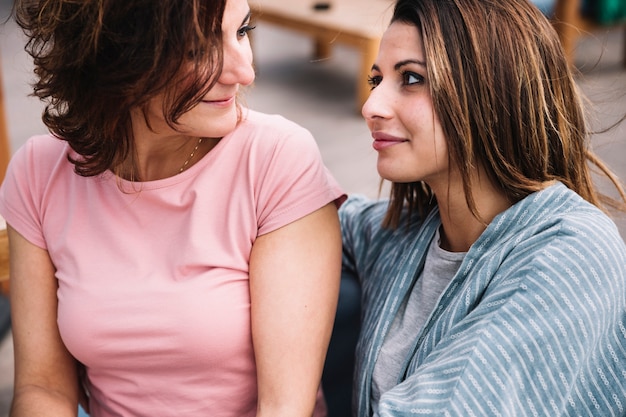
<point>402,40</point>
<point>235,11</point>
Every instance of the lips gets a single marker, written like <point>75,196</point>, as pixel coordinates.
<point>225,100</point>
<point>383,140</point>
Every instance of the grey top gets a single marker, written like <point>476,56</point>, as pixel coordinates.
<point>439,268</point>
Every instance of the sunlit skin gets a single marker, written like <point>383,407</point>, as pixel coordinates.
<point>399,112</point>
<point>410,142</point>
<point>162,151</point>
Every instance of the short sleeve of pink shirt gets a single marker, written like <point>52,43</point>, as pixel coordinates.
<point>153,276</point>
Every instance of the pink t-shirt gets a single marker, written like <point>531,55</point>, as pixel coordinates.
<point>153,281</point>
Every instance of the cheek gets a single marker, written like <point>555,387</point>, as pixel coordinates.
<point>429,145</point>
<point>440,143</point>
<point>423,123</point>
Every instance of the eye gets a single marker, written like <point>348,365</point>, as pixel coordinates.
<point>243,31</point>
<point>411,78</point>
<point>374,80</point>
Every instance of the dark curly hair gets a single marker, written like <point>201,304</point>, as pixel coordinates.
<point>95,60</point>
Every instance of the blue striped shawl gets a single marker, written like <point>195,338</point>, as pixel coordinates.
<point>533,323</point>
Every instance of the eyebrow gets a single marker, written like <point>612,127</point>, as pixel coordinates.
<point>247,18</point>
<point>407,62</point>
<point>402,64</point>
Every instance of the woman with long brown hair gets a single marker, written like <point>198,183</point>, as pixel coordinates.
<point>493,282</point>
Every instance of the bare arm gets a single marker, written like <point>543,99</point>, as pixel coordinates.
<point>46,381</point>
<point>294,284</point>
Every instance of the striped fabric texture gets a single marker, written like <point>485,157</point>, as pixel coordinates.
<point>532,324</point>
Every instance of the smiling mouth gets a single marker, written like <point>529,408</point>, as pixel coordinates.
<point>379,144</point>
<point>382,140</point>
<point>220,102</point>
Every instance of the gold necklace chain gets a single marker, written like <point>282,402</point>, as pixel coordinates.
<point>190,156</point>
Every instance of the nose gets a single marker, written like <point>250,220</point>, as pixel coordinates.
<point>237,67</point>
<point>377,105</point>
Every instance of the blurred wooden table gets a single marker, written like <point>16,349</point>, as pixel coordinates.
<point>356,23</point>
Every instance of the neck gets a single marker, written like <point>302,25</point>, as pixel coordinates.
<point>191,155</point>
<point>161,159</point>
<point>460,227</point>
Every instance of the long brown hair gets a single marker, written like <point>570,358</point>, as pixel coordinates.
<point>506,99</point>
<point>95,60</point>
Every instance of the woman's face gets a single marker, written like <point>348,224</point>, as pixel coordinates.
<point>399,111</point>
<point>216,115</point>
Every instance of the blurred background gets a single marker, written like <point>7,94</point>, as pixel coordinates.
<point>320,95</point>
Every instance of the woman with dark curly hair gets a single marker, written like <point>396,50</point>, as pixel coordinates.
<point>493,283</point>
<point>173,253</point>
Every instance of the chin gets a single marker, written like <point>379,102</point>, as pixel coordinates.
<point>220,126</point>
<point>388,172</point>
<point>395,176</point>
